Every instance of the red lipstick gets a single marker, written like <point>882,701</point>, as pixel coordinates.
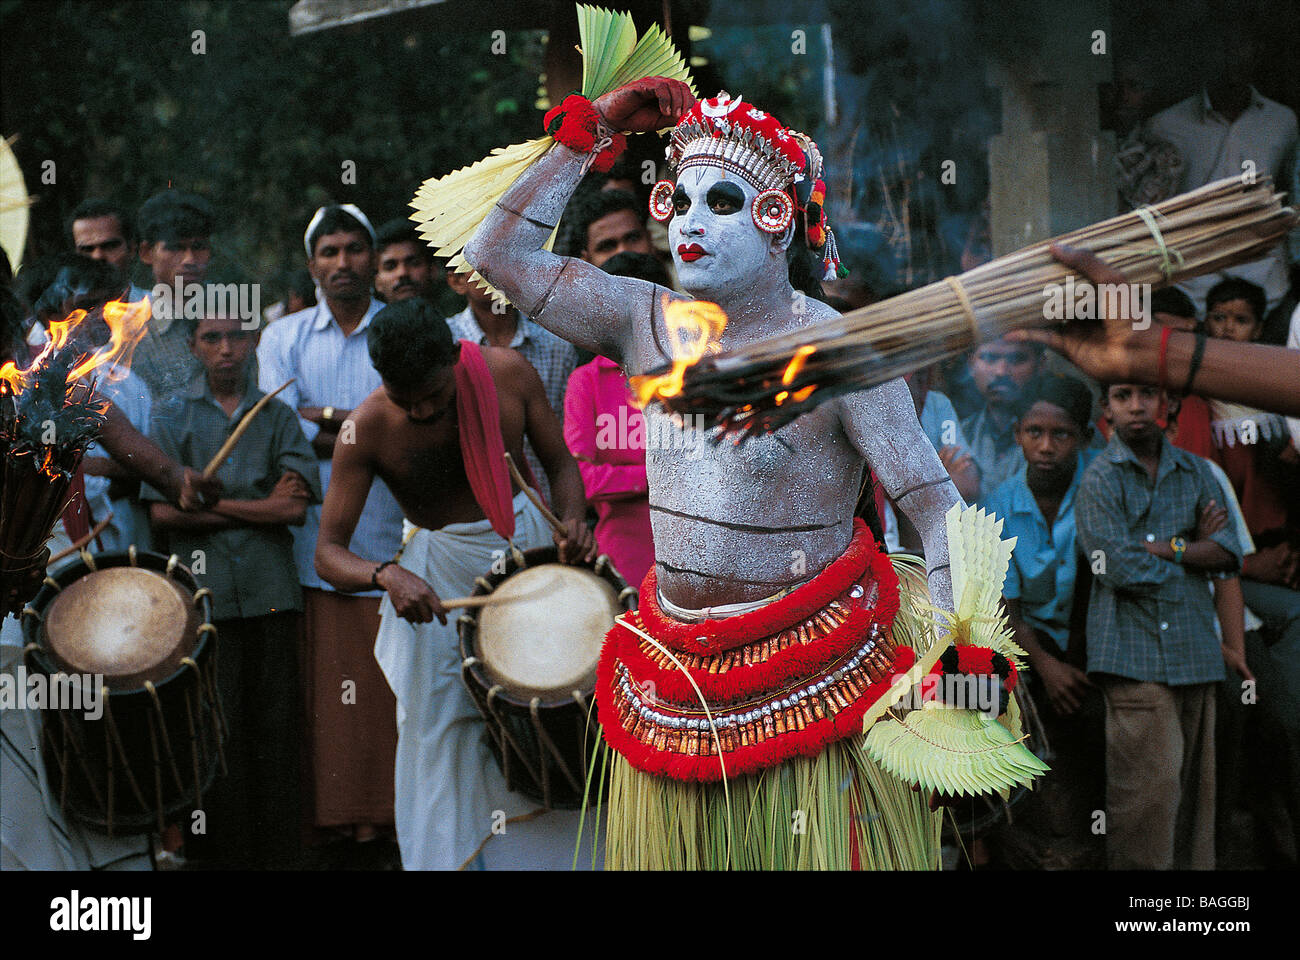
<point>690,252</point>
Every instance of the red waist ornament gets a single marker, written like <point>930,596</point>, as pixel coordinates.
<point>780,682</point>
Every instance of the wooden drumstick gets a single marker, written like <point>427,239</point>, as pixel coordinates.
<point>486,599</point>
<point>533,495</point>
<point>215,463</point>
<point>69,551</point>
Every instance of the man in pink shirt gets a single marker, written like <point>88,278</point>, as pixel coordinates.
<point>605,433</point>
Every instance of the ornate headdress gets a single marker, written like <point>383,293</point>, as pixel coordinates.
<point>784,165</point>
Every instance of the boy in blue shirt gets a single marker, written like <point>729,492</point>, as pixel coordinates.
<point>1045,593</point>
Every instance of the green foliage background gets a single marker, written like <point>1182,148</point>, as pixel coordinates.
<point>260,123</point>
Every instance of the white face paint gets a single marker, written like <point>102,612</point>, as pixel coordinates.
<point>735,252</point>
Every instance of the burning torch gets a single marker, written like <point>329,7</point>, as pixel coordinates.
<point>50,413</point>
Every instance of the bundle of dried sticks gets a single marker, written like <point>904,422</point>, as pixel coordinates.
<point>763,386</point>
<point>44,431</point>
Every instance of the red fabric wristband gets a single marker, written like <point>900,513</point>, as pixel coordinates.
<point>576,124</point>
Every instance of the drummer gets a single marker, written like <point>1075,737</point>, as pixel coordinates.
<point>436,433</point>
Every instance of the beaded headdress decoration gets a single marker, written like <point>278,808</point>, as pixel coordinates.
<point>784,165</point>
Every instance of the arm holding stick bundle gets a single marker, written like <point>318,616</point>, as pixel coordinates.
<point>1113,351</point>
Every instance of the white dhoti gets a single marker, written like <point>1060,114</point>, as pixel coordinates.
<point>450,794</point>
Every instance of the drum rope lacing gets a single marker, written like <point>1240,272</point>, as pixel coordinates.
<point>99,777</point>
<point>494,702</point>
<point>166,739</point>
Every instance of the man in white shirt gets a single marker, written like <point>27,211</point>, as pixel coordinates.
<point>353,711</point>
<point>1229,129</point>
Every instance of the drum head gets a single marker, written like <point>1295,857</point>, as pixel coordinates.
<point>542,633</point>
<point>127,623</point>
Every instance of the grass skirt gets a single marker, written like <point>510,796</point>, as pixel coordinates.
<point>836,811</point>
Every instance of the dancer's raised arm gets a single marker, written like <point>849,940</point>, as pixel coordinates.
<point>570,297</point>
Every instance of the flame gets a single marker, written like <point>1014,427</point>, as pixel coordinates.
<point>796,364</point>
<point>791,371</point>
<point>127,323</point>
<point>694,328</point>
<point>12,376</point>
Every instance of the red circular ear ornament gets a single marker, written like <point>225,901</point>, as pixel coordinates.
<point>772,210</point>
<point>661,200</point>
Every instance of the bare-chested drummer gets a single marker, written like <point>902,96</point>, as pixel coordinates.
<point>439,400</point>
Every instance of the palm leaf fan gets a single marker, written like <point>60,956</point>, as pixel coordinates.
<point>952,751</point>
<point>14,204</point>
<point>449,209</point>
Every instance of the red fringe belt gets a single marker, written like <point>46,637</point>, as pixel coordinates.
<point>780,682</point>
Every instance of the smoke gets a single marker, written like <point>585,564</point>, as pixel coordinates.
<point>906,153</point>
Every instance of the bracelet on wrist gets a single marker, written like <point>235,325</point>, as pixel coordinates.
<point>374,577</point>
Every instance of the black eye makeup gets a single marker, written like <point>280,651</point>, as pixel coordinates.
<point>725,197</point>
<point>681,201</point>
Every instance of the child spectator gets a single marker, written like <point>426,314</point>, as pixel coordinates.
<point>1144,511</point>
<point>1037,505</point>
<point>1045,593</point>
<point>241,549</point>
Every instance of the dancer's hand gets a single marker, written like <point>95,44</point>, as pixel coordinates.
<point>413,599</point>
<point>645,105</point>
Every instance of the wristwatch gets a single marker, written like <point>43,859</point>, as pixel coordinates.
<point>327,414</point>
<point>1179,546</point>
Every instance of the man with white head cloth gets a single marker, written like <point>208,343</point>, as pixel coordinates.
<point>323,348</point>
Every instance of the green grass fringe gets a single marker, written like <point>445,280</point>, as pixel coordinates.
<point>804,814</point>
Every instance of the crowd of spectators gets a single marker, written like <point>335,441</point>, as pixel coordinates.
<point>1154,584</point>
